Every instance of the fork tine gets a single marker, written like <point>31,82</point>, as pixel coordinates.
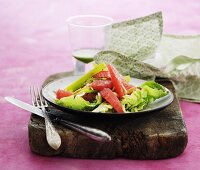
<point>45,103</point>
<point>32,95</point>
<point>36,96</point>
<point>40,97</point>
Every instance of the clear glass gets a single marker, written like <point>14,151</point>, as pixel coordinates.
<point>87,37</point>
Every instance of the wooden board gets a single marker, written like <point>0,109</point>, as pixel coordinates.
<point>157,135</point>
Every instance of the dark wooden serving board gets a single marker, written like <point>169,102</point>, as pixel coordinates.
<point>157,135</point>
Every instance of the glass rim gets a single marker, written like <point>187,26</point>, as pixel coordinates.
<point>109,19</point>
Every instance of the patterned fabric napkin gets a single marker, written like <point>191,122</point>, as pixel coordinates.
<point>137,38</point>
<point>132,44</point>
<point>129,66</point>
<point>180,59</point>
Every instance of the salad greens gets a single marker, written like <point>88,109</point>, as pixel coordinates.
<point>98,91</point>
<point>84,89</point>
<point>140,98</point>
<point>78,103</point>
<point>136,101</point>
<point>154,90</point>
<point>127,78</point>
<point>103,108</point>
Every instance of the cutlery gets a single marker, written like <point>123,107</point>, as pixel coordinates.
<point>92,133</point>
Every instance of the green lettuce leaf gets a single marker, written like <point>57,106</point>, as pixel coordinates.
<point>154,90</point>
<point>127,78</point>
<point>136,101</point>
<point>78,103</point>
<point>140,98</point>
<point>103,108</point>
<point>84,89</point>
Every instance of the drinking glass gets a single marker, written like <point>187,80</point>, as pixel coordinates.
<point>87,37</point>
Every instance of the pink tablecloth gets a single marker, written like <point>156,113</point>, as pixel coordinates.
<point>33,44</point>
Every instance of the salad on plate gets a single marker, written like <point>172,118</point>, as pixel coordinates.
<point>103,89</point>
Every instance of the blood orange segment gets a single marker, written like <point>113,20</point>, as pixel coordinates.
<point>111,98</point>
<point>62,93</point>
<point>116,80</point>
<point>101,84</point>
<point>102,74</point>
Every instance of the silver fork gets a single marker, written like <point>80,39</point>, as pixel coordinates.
<point>53,138</point>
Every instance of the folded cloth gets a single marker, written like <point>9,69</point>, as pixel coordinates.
<point>180,59</point>
<point>129,66</point>
<point>138,38</point>
<point>132,44</point>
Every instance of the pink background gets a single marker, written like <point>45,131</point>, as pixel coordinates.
<point>34,44</point>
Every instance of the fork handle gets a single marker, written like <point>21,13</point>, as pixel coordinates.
<point>92,133</point>
<point>53,137</point>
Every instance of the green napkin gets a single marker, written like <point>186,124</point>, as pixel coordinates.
<point>172,46</point>
<point>129,66</point>
<point>137,38</point>
<point>180,56</point>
